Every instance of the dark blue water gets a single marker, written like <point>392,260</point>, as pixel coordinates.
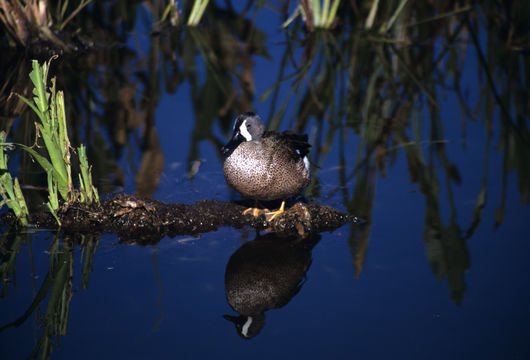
<point>383,301</point>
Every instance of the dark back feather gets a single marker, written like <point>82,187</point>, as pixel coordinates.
<point>295,141</point>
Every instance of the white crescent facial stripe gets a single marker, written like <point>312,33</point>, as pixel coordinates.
<point>243,131</point>
<point>244,330</point>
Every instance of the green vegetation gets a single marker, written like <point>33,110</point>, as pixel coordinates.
<point>315,14</point>
<point>49,106</point>
<point>26,20</point>
<point>197,11</point>
<point>172,13</point>
<point>9,188</point>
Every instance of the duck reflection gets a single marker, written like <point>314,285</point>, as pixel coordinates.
<point>264,274</point>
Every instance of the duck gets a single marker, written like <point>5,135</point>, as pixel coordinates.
<point>265,165</point>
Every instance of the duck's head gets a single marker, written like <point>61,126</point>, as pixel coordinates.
<point>247,326</point>
<point>247,127</point>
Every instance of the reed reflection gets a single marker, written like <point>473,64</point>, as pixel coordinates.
<point>50,307</point>
<point>265,274</point>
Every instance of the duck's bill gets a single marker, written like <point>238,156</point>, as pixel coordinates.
<point>233,143</point>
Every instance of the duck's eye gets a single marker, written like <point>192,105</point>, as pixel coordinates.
<point>248,126</point>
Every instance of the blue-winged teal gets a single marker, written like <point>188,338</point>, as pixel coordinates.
<point>265,165</point>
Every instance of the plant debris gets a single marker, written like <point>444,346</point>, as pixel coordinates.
<point>145,221</point>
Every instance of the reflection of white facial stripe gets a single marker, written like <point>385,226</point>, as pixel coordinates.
<point>244,330</point>
<point>244,132</point>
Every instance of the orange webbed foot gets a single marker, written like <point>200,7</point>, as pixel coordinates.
<point>271,215</point>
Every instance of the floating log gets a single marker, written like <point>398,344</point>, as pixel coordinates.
<point>146,221</point>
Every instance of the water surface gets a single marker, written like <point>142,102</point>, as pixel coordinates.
<point>437,270</point>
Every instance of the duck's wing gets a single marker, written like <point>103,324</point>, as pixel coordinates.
<point>294,141</point>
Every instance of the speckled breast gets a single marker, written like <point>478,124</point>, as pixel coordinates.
<point>265,175</point>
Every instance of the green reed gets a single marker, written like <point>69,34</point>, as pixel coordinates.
<point>316,15</point>
<point>26,21</point>
<point>48,105</point>
<point>197,11</point>
<point>10,188</point>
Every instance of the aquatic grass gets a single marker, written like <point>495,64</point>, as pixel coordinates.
<point>172,13</point>
<point>53,198</point>
<point>61,15</point>
<point>54,132</point>
<point>88,192</point>
<point>10,188</point>
<point>27,20</point>
<point>48,105</point>
<point>326,17</point>
<point>388,24</point>
<point>197,11</point>
<point>315,14</point>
